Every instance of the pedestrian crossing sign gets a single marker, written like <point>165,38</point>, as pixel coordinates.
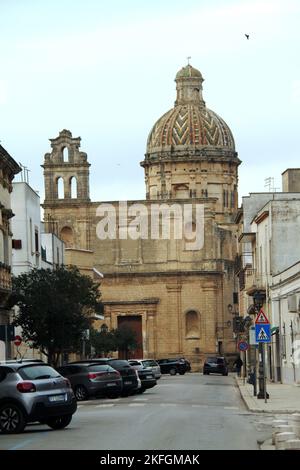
<point>261,318</point>
<point>262,333</point>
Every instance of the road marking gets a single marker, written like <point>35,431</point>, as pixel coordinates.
<point>108,405</point>
<point>141,399</point>
<point>113,400</point>
<point>231,408</point>
<point>168,404</point>
<point>199,406</point>
<point>136,404</point>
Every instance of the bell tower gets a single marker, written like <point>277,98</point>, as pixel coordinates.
<point>67,199</point>
<point>66,171</point>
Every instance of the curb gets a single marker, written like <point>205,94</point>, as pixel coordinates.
<point>259,410</point>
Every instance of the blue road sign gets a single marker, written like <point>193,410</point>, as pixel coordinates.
<point>263,333</point>
<point>243,346</point>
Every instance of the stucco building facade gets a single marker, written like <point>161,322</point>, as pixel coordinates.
<point>175,295</point>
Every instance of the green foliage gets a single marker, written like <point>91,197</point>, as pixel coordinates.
<point>122,339</point>
<point>125,339</point>
<point>54,307</point>
<point>102,342</point>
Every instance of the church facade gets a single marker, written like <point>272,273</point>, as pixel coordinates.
<point>177,295</point>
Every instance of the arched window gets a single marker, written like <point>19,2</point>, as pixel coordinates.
<point>65,152</point>
<point>66,234</point>
<point>181,191</point>
<point>192,325</point>
<point>73,186</point>
<point>60,188</point>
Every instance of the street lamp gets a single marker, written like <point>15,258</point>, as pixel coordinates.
<point>258,299</point>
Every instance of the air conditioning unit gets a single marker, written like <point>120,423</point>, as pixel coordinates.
<point>292,303</point>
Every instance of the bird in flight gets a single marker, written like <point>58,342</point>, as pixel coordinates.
<point>247,36</point>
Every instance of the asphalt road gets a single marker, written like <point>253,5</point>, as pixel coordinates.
<point>190,412</point>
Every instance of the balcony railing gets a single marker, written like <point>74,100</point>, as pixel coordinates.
<point>5,277</point>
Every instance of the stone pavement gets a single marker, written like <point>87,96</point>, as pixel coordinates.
<point>283,398</point>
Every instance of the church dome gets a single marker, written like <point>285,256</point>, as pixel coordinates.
<point>190,125</point>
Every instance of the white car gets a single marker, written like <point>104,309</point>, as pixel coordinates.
<point>147,364</point>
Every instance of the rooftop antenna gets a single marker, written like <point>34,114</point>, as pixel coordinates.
<point>188,59</point>
<point>24,173</point>
<point>269,183</point>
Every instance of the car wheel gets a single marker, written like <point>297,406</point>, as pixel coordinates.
<point>12,419</point>
<point>181,373</point>
<point>173,371</point>
<point>225,373</point>
<point>81,393</point>
<point>59,422</point>
<point>141,390</point>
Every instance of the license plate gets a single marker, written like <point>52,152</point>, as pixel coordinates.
<point>127,383</point>
<point>111,385</point>
<point>148,376</point>
<point>57,398</point>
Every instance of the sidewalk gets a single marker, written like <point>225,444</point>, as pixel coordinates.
<point>283,398</point>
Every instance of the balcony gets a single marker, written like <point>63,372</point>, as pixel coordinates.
<point>246,277</point>
<point>5,278</point>
<point>255,283</point>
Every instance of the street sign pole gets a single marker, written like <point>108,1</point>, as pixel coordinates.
<point>6,343</point>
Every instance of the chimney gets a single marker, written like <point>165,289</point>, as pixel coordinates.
<point>291,180</point>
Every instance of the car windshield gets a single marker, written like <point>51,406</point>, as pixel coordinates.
<point>98,368</point>
<point>117,363</point>
<point>149,363</point>
<point>211,360</point>
<point>37,372</point>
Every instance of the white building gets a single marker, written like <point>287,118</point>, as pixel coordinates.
<point>270,245</point>
<point>285,295</point>
<point>31,247</point>
<point>26,229</point>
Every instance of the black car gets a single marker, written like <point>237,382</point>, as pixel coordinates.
<point>215,365</point>
<point>146,375</point>
<point>172,366</point>
<point>128,374</point>
<point>92,380</point>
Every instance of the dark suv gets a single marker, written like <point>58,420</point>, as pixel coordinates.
<point>215,365</point>
<point>128,374</point>
<point>34,391</point>
<point>92,380</point>
<point>172,366</point>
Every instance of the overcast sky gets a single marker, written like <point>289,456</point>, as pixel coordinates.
<point>105,70</point>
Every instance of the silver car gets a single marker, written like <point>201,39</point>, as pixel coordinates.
<point>149,363</point>
<point>34,391</point>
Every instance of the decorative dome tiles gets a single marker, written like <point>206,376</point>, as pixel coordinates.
<point>190,125</point>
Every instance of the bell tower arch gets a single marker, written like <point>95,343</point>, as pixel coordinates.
<point>66,168</point>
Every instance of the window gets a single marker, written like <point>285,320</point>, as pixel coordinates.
<point>65,153</point>
<point>17,244</point>
<point>60,188</point>
<point>36,241</point>
<point>73,187</point>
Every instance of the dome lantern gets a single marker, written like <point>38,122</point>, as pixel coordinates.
<point>189,86</point>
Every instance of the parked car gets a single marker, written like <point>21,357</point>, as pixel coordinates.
<point>146,375</point>
<point>93,380</point>
<point>172,366</point>
<point>128,374</point>
<point>186,362</point>
<point>149,363</point>
<point>215,365</point>
<point>33,391</point>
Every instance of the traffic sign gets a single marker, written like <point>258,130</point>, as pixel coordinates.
<point>243,346</point>
<point>261,318</point>
<point>18,340</point>
<point>263,333</point>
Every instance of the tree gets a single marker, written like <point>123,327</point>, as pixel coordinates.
<point>103,342</point>
<point>54,309</point>
<point>125,339</point>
